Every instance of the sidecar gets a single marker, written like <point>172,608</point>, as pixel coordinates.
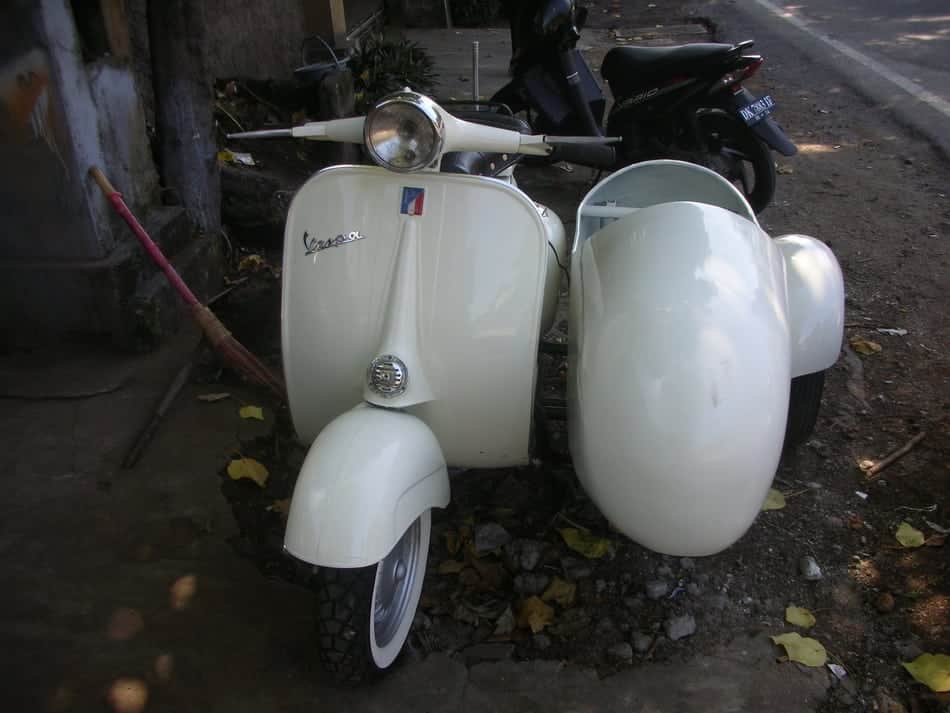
<point>687,324</point>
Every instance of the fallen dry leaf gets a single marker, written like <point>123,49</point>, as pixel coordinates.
<point>802,650</point>
<point>280,506</point>
<point>248,468</point>
<point>774,500</point>
<point>585,543</point>
<point>799,616</point>
<point>932,670</point>
<point>534,614</point>
<point>864,346</point>
<point>127,695</point>
<point>909,536</point>
<point>451,567</point>
<point>492,574</point>
<point>255,412</point>
<point>469,578</point>
<point>561,592</point>
<point>452,542</point>
<point>252,263</point>
<point>885,603</point>
<point>935,541</point>
<point>211,398</point>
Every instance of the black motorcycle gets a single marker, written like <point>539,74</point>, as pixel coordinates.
<point>685,102</point>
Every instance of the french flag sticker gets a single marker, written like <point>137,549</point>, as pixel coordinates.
<point>412,200</point>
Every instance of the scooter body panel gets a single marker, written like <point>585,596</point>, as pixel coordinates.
<point>451,269</point>
<point>365,480</point>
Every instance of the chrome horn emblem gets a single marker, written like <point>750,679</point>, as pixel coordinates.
<point>387,376</point>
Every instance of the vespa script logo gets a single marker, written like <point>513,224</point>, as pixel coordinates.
<point>312,246</point>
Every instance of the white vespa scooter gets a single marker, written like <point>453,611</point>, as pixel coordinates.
<point>414,300</point>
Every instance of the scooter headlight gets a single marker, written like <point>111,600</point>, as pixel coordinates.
<point>404,132</point>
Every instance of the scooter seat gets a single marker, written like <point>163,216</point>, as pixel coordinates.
<point>629,68</point>
<point>493,118</point>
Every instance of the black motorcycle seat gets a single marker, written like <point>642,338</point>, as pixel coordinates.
<point>627,68</point>
<point>479,163</point>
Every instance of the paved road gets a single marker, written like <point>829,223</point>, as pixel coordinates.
<point>896,53</point>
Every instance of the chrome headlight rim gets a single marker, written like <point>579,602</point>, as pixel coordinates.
<point>426,107</point>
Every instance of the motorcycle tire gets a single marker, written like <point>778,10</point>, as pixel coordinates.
<point>803,406</point>
<point>732,147</point>
<point>364,614</point>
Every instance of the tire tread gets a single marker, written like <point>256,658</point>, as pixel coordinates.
<point>343,601</point>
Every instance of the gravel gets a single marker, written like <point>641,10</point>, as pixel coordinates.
<point>575,569</point>
<point>657,589</point>
<point>490,537</point>
<point>809,568</point>
<point>679,627</point>
<point>531,582</point>
<point>621,652</point>
<point>506,623</point>
<point>495,651</point>
<point>529,553</point>
<point>542,641</point>
<point>641,642</point>
<point>633,602</point>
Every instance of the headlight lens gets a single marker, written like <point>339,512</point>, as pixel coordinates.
<point>404,132</point>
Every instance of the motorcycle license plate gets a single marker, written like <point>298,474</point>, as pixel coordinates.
<point>754,112</point>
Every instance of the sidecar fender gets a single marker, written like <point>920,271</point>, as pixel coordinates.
<point>368,475</point>
<point>815,289</point>
<point>679,374</point>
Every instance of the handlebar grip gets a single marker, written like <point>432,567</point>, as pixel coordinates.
<point>593,155</point>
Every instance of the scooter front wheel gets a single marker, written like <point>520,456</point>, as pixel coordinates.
<point>364,614</point>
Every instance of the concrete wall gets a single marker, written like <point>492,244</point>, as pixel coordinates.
<point>65,259</point>
<point>262,40</point>
<point>253,39</point>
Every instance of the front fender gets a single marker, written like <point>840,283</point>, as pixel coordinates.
<point>369,474</point>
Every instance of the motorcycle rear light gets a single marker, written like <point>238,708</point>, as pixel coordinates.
<point>742,74</point>
<point>751,69</point>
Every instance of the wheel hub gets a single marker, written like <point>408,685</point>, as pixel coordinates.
<point>394,583</point>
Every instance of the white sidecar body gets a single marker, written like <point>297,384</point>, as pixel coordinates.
<point>687,323</point>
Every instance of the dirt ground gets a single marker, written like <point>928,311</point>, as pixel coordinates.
<point>879,197</point>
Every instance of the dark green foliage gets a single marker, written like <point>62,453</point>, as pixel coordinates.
<point>382,66</point>
<point>474,13</point>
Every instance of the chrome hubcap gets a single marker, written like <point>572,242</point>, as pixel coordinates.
<point>394,580</point>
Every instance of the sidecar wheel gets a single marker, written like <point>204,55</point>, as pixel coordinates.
<point>364,614</point>
<point>803,405</point>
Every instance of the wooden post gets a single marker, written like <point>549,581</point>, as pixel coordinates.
<point>184,99</point>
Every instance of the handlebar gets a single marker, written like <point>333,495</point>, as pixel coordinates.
<point>461,135</point>
<point>593,155</point>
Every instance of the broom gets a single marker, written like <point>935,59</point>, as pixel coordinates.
<point>231,350</point>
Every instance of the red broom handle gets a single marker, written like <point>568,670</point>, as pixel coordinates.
<point>150,247</point>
